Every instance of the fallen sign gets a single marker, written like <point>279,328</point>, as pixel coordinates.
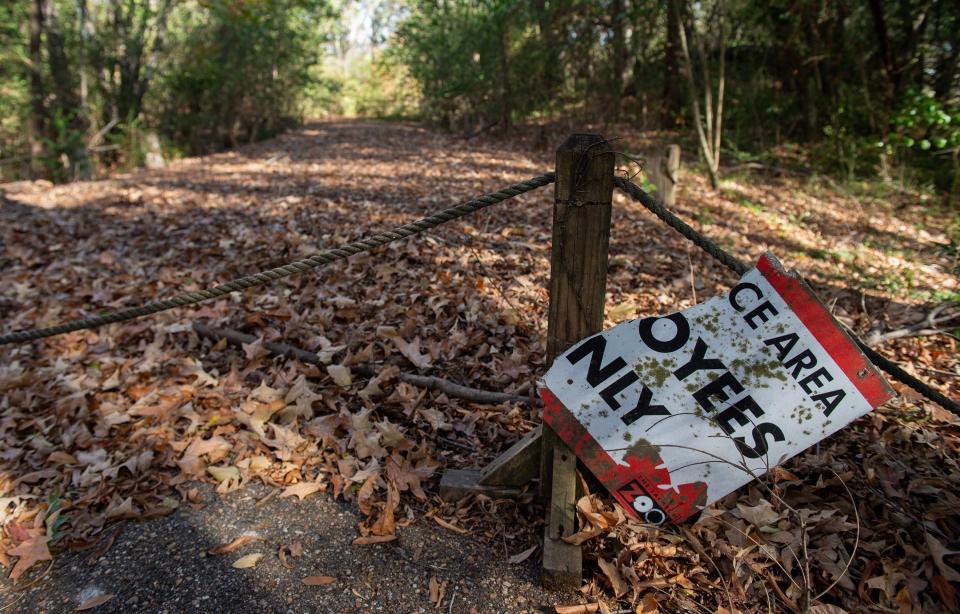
<point>671,413</point>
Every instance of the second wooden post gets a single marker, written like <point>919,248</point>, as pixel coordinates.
<point>578,280</point>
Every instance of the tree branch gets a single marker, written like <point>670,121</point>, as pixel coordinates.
<point>447,387</point>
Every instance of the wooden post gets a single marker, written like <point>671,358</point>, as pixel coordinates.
<point>578,280</point>
<point>663,174</point>
<point>671,170</point>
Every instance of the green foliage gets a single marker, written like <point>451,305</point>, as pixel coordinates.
<point>476,64</point>
<point>239,71</point>
<point>926,135</point>
<point>922,122</point>
<point>379,89</point>
<point>863,88</point>
<point>53,519</point>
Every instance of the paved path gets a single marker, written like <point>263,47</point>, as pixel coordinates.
<point>163,566</point>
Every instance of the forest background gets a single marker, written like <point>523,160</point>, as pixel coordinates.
<point>855,90</point>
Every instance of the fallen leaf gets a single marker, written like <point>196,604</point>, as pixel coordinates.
<point>609,569</point>
<point>522,556</point>
<point>373,539</point>
<point>437,589</point>
<point>759,515</point>
<point>411,351</point>
<point>448,525</point>
<point>386,524</point>
<point>93,602</point>
<point>340,375</point>
<point>319,580</point>
<point>244,539</point>
<point>648,605</point>
<point>302,490</point>
<point>245,562</point>
<point>31,551</point>
<point>296,549</point>
<point>223,473</point>
<point>255,349</point>
<point>938,551</point>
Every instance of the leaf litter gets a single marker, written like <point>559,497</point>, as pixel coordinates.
<point>98,427</point>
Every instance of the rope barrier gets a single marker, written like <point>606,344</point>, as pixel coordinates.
<point>738,267</point>
<point>299,266</point>
<point>432,221</point>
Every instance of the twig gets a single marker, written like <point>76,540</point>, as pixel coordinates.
<point>938,371</point>
<point>927,326</point>
<point>774,170</point>
<point>429,382</point>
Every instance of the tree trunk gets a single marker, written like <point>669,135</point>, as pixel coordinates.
<point>708,134</point>
<point>883,44</point>
<point>619,63</point>
<point>68,102</point>
<point>506,92</point>
<point>671,102</point>
<point>37,107</point>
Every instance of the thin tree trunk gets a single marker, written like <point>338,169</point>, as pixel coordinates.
<point>721,82</point>
<point>505,88</point>
<point>670,102</point>
<point>37,107</point>
<point>705,137</point>
<point>619,49</point>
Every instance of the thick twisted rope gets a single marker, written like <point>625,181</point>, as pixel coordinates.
<point>299,266</point>
<point>738,267</point>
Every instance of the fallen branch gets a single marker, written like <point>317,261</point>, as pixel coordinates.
<point>447,387</point>
<point>927,326</point>
<point>773,170</point>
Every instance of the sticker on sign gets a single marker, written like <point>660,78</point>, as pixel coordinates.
<point>673,412</point>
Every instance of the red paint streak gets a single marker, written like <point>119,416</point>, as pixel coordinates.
<point>827,332</point>
<point>649,470</point>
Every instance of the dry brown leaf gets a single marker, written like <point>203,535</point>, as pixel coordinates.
<point>296,549</point>
<point>648,605</point>
<point>244,539</point>
<point>411,351</point>
<point>340,375</point>
<point>585,608</point>
<point>31,551</point>
<point>319,580</point>
<point>437,589</point>
<point>385,524</point>
<point>248,561</point>
<point>222,474</point>
<point>302,490</point>
<point>759,515</point>
<point>449,525</point>
<point>938,551</point>
<point>373,539</point>
<point>609,569</point>
<point>93,602</point>
<point>522,556</point>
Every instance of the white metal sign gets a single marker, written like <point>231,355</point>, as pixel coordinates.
<point>672,413</point>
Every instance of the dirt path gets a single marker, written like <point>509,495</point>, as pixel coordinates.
<point>110,425</point>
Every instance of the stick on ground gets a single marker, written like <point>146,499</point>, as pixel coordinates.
<point>429,382</point>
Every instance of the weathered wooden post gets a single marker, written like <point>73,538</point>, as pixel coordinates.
<point>578,280</point>
<point>663,173</point>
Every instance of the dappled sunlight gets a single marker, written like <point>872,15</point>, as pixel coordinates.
<point>115,423</point>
